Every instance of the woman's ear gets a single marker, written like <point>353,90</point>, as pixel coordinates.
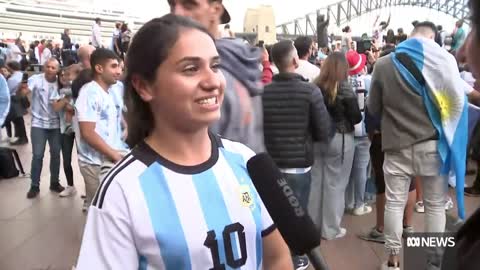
<point>144,89</point>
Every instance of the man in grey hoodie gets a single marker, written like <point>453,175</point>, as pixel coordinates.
<point>241,118</point>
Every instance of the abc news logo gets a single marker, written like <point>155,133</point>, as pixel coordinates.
<point>430,242</point>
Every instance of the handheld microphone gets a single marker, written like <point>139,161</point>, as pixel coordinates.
<point>293,222</point>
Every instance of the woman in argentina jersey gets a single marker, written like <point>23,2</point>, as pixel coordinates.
<point>182,199</point>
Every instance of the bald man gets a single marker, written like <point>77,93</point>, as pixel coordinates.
<point>45,125</point>
<point>84,53</point>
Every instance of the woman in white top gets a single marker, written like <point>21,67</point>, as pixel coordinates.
<point>347,39</point>
<point>47,53</point>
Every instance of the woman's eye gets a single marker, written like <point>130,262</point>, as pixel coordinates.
<point>190,69</point>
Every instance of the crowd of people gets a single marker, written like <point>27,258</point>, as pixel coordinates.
<point>163,143</point>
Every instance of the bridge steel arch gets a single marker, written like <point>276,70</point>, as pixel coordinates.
<point>347,10</point>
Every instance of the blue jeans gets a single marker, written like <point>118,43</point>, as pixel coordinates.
<point>355,193</point>
<point>39,137</point>
<point>300,184</point>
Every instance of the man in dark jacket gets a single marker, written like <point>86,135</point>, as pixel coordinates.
<point>66,48</point>
<point>294,115</point>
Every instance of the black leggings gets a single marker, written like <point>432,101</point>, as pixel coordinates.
<point>377,157</point>
<point>19,128</point>
<point>67,146</point>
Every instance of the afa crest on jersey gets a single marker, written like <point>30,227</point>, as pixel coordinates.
<point>246,197</point>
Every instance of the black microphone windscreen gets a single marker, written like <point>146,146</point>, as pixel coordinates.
<point>293,222</point>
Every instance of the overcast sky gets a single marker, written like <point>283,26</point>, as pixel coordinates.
<point>287,10</point>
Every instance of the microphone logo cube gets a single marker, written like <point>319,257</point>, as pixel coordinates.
<point>246,197</point>
<point>290,195</point>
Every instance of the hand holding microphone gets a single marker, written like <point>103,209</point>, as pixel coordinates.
<point>293,222</point>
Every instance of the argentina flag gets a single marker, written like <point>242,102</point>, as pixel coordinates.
<point>444,96</point>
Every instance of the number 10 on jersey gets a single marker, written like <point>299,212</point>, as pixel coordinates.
<point>212,243</point>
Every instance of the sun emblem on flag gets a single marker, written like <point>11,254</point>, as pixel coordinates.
<point>448,105</point>
<point>246,197</point>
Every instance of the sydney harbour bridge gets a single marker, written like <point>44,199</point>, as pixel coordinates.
<point>344,11</point>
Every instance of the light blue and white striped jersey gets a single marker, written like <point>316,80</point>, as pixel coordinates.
<point>43,93</point>
<point>96,105</point>
<point>4,100</point>
<point>150,213</point>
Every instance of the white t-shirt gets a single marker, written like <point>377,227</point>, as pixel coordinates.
<point>307,70</point>
<point>378,36</point>
<point>96,105</point>
<point>468,77</point>
<point>115,35</point>
<point>14,53</point>
<point>96,38</point>
<point>46,55</point>
<point>150,213</point>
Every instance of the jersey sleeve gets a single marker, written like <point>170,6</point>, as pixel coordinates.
<point>33,82</point>
<point>267,223</point>
<point>108,242</point>
<point>86,106</point>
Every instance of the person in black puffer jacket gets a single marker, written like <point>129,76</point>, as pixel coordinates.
<point>294,115</point>
<point>332,171</point>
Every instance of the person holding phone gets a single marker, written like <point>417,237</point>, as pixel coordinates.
<point>45,125</point>
<point>65,107</point>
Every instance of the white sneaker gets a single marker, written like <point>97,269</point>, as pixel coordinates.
<point>448,204</point>
<point>341,234</point>
<point>386,267</point>
<point>362,210</point>
<point>68,191</point>
<point>419,207</point>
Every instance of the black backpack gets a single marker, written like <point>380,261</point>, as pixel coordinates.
<point>10,164</point>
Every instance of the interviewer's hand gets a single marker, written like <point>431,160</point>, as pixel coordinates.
<point>116,157</point>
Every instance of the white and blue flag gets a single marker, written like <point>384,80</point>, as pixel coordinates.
<point>446,103</point>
